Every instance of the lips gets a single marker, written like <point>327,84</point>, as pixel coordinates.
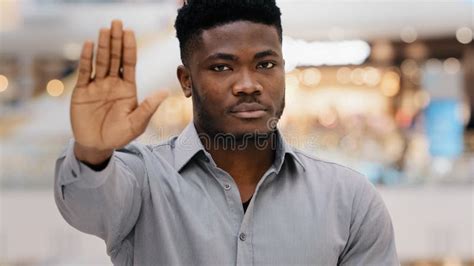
<point>248,107</point>
<point>249,110</point>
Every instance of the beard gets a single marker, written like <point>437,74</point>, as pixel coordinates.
<point>210,127</point>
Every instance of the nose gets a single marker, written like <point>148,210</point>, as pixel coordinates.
<point>246,84</point>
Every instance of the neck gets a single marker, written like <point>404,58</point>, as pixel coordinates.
<point>245,159</point>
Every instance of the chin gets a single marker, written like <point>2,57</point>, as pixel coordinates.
<point>235,126</point>
<point>248,127</point>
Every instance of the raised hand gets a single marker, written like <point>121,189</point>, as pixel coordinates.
<point>105,114</point>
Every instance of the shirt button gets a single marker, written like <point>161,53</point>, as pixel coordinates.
<point>227,187</point>
<point>242,236</point>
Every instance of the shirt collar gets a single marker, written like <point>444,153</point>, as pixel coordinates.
<point>284,149</point>
<point>188,144</point>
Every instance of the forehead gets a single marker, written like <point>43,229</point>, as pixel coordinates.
<point>238,38</point>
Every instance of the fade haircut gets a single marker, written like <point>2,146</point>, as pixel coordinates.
<point>198,15</point>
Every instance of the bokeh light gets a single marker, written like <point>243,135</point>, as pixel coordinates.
<point>357,76</point>
<point>343,75</point>
<point>464,35</point>
<point>409,67</point>
<point>371,76</point>
<point>311,76</point>
<point>408,35</point>
<point>55,87</point>
<point>451,65</point>
<point>390,84</point>
<point>3,83</point>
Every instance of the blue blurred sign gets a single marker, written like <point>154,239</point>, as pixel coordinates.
<point>444,128</point>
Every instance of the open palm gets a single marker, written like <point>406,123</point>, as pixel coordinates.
<point>105,113</point>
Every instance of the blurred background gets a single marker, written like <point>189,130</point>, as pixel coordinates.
<point>385,87</point>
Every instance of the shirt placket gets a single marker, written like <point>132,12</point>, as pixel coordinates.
<point>245,248</point>
<point>242,221</point>
<point>232,197</point>
<point>245,233</point>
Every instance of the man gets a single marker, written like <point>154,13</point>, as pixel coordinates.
<point>229,190</point>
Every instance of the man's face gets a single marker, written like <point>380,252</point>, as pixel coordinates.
<point>237,79</point>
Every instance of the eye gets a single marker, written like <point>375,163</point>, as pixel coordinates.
<point>266,65</point>
<point>219,68</point>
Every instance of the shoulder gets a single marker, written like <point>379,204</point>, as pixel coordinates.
<point>344,184</point>
<point>136,154</point>
<point>328,169</point>
<point>141,149</point>
<point>348,183</point>
<point>161,155</point>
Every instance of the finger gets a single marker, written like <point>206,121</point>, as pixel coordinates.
<point>143,113</point>
<point>103,54</point>
<point>85,64</point>
<point>116,51</point>
<point>129,59</point>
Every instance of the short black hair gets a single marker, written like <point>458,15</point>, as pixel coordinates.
<point>198,15</point>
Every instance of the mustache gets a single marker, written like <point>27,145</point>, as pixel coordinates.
<point>248,101</point>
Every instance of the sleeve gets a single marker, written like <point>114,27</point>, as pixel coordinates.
<point>105,203</point>
<point>371,238</point>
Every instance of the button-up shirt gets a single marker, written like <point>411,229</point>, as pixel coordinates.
<point>170,204</point>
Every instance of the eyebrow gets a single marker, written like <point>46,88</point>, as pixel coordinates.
<point>231,57</point>
<point>223,56</point>
<point>268,52</point>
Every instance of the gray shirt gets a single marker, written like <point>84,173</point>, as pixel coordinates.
<point>169,204</point>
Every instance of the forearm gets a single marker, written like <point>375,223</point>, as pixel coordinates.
<point>105,203</point>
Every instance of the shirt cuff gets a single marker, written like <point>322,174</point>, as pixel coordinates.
<point>76,172</point>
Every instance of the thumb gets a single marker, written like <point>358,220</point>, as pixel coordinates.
<point>143,113</point>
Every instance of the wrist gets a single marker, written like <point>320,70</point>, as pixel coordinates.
<point>91,156</point>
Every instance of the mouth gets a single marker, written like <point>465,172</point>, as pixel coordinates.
<point>248,111</point>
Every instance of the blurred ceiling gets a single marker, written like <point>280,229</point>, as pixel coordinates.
<point>46,26</point>
<point>373,19</point>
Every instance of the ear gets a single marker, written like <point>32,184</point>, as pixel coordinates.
<point>184,78</point>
